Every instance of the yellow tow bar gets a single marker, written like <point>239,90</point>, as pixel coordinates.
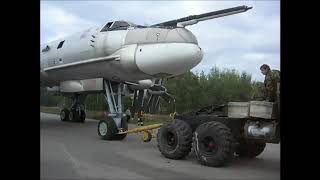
<point>147,135</point>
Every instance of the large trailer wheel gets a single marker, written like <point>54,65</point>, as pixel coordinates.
<point>213,144</point>
<point>175,139</point>
<point>64,114</point>
<point>250,149</point>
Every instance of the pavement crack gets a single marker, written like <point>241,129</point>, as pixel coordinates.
<point>74,161</point>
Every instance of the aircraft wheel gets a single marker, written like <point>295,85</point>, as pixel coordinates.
<point>82,117</point>
<point>124,126</point>
<point>107,129</point>
<point>64,114</point>
<point>72,116</point>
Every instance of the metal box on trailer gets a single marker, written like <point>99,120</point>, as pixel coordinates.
<point>262,109</point>
<point>238,109</point>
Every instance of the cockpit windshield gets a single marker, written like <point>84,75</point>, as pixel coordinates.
<point>119,25</point>
<point>116,25</point>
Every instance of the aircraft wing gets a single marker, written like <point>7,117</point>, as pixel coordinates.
<point>88,61</point>
<point>194,19</point>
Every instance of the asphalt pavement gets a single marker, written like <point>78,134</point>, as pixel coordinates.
<point>75,151</point>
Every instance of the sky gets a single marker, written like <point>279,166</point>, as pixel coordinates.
<point>242,42</point>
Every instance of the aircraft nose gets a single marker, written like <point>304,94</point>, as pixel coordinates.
<point>168,59</point>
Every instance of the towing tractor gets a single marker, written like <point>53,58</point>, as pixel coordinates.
<point>219,132</point>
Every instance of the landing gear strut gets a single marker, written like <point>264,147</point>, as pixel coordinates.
<point>76,112</point>
<point>116,121</point>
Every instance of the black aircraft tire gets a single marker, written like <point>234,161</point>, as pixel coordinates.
<point>107,129</point>
<point>175,139</point>
<point>71,116</point>
<point>213,144</point>
<point>124,126</point>
<point>82,117</point>
<point>250,149</point>
<point>75,117</point>
<point>64,114</point>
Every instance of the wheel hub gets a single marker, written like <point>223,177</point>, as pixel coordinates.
<point>209,144</point>
<point>103,128</point>
<point>171,139</point>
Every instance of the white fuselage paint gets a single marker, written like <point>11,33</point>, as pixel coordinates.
<point>183,57</point>
<point>138,61</point>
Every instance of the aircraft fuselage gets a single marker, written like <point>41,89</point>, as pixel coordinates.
<point>136,54</point>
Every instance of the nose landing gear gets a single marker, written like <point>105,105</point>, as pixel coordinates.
<point>116,122</point>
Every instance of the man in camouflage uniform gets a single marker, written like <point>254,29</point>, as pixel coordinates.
<point>272,92</point>
<point>271,83</point>
<point>257,93</point>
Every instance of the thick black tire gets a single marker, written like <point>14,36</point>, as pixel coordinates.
<point>175,139</point>
<point>82,117</point>
<point>64,114</point>
<point>213,144</point>
<point>75,117</point>
<point>71,116</point>
<point>109,132</point>
<point>250,149</point>
<point>124,126</point>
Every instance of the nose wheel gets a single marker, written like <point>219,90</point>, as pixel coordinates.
<point>116,121</point>
<point>108,130</point>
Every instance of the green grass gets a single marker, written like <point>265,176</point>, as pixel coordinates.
<point>51,110</point>
<point>99,115</point>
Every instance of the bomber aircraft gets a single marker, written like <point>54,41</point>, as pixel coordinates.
<point>121,58</point>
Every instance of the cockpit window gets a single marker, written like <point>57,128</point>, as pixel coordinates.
<point>117,25</point>
<point>60,45</point>
<point>106,27</point>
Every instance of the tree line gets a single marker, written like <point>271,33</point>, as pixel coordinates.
<point>191,91</point>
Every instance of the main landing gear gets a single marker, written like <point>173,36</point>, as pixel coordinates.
<point>76,112</point>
